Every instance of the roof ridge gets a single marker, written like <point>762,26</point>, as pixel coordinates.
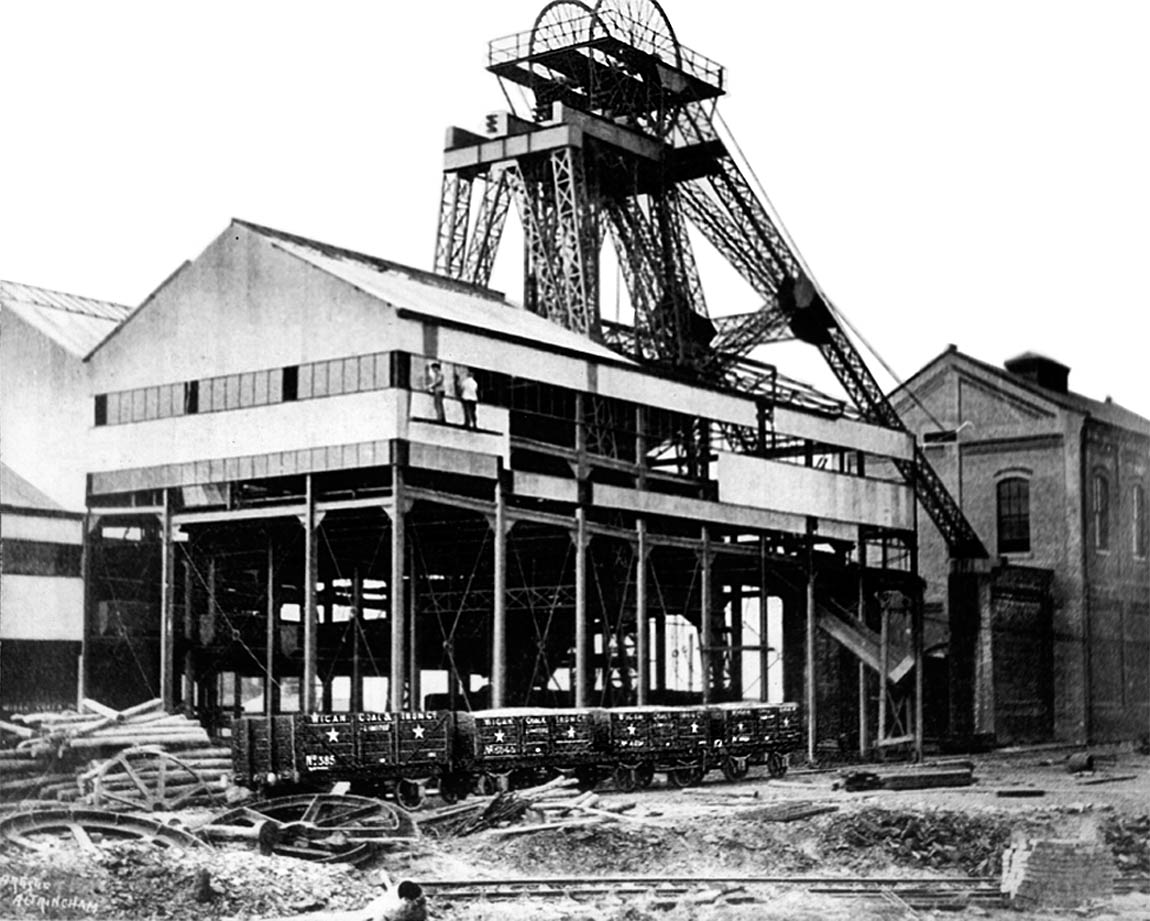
<point>377,262</point>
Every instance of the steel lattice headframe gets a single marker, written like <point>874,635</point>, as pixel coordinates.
<point>623,141</point>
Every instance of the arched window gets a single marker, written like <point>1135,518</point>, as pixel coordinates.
<point>1139,521</point>
<point>1013,515</point>
<point>1100,510</point>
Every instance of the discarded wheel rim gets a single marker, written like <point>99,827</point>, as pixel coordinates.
<point>147,779</point>
<point>36,828</point>
<point>321,827</point>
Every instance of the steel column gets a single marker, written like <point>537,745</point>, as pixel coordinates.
<point>395,590</point>
<point>356,628</point>
<point>809,676</point>
<point>499,606</point>
<point>864,745</point>
<point>706,627</point>
<point>582,652</point>
<point>190,633</point>
<point>271,688</point>
<point>764,640</point>
<point>167,600</point>
<point>310,577</point>
<point>642,621</point>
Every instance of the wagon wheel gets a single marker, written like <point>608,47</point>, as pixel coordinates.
<point>686,775</point>
<point>147,779</point>
<point>645,774</point>
<point>39,829</point>
<point>324,827</point>
<point>776,764</point>
<point>485,785</point>
<point>735,767</point>
<point>410,794</point>
<point>588,776</point>
<point>627,777</point>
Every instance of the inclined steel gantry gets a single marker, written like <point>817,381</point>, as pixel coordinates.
<point>624,142</point>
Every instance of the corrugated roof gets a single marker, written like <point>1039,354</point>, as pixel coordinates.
<point>15,490</point>
<point>437,297</point>
<point>76,323</point>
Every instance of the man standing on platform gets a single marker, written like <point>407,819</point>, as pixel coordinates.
<point>436,386</point>
<point>469,397</point>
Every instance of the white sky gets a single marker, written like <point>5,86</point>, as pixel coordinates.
<point>974,173</point>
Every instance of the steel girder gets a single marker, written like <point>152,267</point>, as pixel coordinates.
<point>454,211</point>
<point>488,228</point>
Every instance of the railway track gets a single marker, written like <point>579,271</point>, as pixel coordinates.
<point>917,894</point>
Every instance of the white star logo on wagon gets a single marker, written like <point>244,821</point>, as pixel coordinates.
<point>571,732</point>
<point>500,736</point>
<point>333,735</point>
<point>418,732</point>
<point>631,730</point>
<point>694,727</point>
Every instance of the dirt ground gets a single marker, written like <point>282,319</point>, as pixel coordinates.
<point>716,829</point>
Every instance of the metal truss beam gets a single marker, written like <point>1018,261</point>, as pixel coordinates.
<point>488,228</point>
<point>454,214</point>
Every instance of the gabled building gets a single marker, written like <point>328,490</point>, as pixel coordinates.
<point>44,423</point>
<point>1056,484</point>
<point>280,520</point>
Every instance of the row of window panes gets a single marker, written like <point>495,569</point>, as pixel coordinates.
<point>1014,516</point>
<point>240,391</point>
<point>343,375</point>
<point>143,404</point>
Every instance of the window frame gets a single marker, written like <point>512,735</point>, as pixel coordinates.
<point>1100,510</point>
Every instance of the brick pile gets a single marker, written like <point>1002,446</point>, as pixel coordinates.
<point>1057,873</point>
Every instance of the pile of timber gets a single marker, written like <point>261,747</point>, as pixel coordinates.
<point>53,752</point>
<point>941,774</point>
<point>553,805</point>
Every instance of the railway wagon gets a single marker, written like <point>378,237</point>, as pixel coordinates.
<point>459,752</point>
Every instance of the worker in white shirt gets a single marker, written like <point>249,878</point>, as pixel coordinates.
<point>469,397</point>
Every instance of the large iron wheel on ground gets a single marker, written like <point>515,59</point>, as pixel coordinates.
<point>146,779</point>
<point>325,827</point>
<point>38,829</point>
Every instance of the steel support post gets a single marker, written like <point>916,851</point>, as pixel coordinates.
<point>809,672</point>
<point>706,626</point>
<point>167,602</point>
<point>764,624</point>
<point>310,613</point>
<point>642,621</point>
<point>883,673</point>
<point>864,742</point>
<point>356,629</point>
<point>207,682</point>
<point>414,676</point>
<point>328,599</point>
<point>582,650</point>
<point>271,686</point>
<point>190,633</point>
<point>735,646</point>
<point>395,590</point>
<point>499,606</point>
<point>917,641</point>
<point>87,571</point>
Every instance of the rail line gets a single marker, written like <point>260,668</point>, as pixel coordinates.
<point>921,893</point>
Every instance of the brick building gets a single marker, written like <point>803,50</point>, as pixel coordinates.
<point>1055,484</point>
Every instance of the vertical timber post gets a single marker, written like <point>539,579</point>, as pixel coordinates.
<point>916,630</point>
<point>395,589</point>
<point>706,626</point>
<point>642,622</point>
<point>167,602</point>
<point>736,638</point>
<point>883,672</point>
<point>864,743</point>
<point>310,640</point>
<point>271,687</point>
<point>499,606</point>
